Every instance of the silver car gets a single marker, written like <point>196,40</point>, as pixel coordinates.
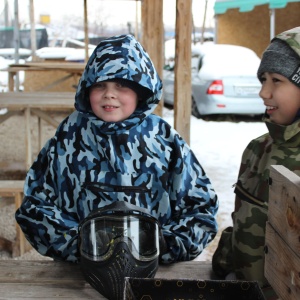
<point>224,81</point>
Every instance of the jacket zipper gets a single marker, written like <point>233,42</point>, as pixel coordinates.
<point>100,187</point>
<point>244,195</point>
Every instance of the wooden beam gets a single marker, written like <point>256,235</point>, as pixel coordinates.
<point>182,85</point>
<point>28,139</point>
<point>86,31</point>
<point>153,36</point>
<point>32,32</point>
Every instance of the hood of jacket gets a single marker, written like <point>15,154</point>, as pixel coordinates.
<point>121,57</point>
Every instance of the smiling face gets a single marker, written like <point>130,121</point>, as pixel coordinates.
<point>281,98</point>
<point>112,101</point>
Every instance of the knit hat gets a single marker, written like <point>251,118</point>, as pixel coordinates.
<point>283,56</point>
<point>142,92</point>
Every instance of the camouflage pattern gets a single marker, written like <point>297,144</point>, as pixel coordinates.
<point>241,247</point>
<point>90,163</point>
<point>292,38</point>
<point>282,56</point>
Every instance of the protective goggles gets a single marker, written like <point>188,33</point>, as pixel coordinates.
<point>99,236</point>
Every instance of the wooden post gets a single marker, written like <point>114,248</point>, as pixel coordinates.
<point>28,139</point>
<point>153,36</point>
<point>86,32</point>
<point>32,32</point>
<point>182,85</point>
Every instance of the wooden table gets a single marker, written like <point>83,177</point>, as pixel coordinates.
<point>39,104</point>
<point>21,279</point>
<point>70,68</point>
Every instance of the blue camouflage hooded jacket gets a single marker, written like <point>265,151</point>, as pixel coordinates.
<point>90,163</point>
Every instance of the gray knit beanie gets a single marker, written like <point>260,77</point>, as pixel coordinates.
<point>283,56</point>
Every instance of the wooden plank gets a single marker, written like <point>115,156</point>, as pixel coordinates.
<point>182,82</point>
<point>281,266</point>
<point>11,186</point>
<point>11,80</point>
<point>28,138</point>
<point>51,272</point>
<point>37,95</point>
<point>188,270</point>
<point>153,36</point>
<point>21,245</point>
<point>48,292</point>
<point>34,66</point>
<point>43,272</point>
<point>284,205</point>
<point>43,101</point>
<point>23,279</point>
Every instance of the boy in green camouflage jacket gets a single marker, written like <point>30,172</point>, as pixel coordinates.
<point>240,253</point>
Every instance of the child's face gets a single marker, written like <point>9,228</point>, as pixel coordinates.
<point>112,102</point>
<point>281,98</point>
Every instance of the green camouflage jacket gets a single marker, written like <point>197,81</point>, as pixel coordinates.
<point>241,247</point>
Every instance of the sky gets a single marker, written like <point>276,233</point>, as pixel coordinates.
<point>126,10</point>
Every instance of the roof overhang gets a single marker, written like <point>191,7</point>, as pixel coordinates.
<point>221,6</point>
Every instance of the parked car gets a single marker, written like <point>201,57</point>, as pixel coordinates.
<point>223,79</point>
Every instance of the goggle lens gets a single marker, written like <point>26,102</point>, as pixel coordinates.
<point>100,235</point>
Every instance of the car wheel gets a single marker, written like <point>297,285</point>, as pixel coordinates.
<point>195,111</point>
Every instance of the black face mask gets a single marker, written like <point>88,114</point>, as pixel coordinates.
<point>116,243</point>
<point>108,276</point>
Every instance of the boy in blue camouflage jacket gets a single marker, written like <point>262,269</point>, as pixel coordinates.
<point>113,148</point>
<point>240,253</point>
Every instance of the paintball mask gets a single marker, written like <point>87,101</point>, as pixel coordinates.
<point>117,241</point>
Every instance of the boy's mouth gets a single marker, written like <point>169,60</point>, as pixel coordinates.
<point>268,107</point>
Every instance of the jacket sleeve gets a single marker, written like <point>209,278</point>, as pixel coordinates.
<point>51,230</point>
<point>194,204</point>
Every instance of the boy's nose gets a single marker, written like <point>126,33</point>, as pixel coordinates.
<point>265,91</point>
<point>109,92</point>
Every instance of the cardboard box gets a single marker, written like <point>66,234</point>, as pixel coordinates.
<point>185,289</point>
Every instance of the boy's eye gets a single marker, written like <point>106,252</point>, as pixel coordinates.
<point>120,85</point>
<point>276,79</point>
<point>98,85</point>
